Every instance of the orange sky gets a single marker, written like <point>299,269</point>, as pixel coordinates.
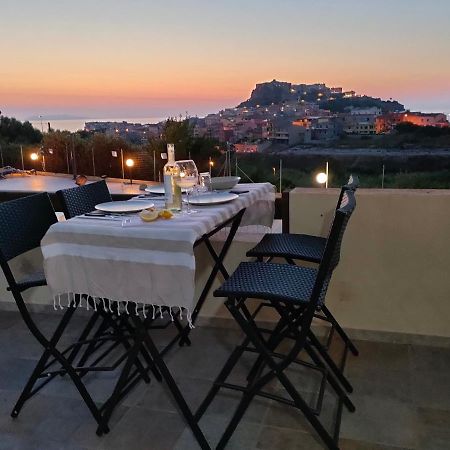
<point>117,57</point>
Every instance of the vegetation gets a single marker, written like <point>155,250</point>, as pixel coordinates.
<point>94,155</point>
<point>187,146</point>
<point>13,131</point>
<point>339,103</point>
<point>405,136</point>
<point>423,172</point>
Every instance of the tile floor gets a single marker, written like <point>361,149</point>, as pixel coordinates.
<point>402,396</point>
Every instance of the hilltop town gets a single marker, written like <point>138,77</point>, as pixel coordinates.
<point>281,114</point>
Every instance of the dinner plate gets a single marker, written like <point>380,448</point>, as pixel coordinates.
<point>212,198</point>
<point>124,206</point>
<point>158,189</point>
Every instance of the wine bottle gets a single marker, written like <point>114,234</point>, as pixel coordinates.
<point>171,172</point>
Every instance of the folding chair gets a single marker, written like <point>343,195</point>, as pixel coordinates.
<point>82,199</point>
<point>295,293</point>
<point>293,247</point>
<point>23,223</point>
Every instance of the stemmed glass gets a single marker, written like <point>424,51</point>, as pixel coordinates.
<point>187,180</point>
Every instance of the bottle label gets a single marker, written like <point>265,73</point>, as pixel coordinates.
<point>168,189</point>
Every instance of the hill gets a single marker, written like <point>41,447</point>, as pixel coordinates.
<point>332,99</point>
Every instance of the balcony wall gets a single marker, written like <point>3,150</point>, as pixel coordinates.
<point>394,271</point>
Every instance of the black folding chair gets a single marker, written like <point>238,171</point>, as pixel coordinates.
<point>303,247</point>
<point>82,199</point>
<point>295,293</point>
<point>23,223</point>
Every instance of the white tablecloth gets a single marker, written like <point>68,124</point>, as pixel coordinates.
<point>146,263</point>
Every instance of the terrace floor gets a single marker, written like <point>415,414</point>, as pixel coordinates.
<point>402,396</point>
<point>53,183</point>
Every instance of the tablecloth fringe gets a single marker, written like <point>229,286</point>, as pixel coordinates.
<point>108,306</point>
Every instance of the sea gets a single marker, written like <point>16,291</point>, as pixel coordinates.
<point>78,124</point>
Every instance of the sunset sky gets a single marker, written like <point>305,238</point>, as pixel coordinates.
<point>139,58</point>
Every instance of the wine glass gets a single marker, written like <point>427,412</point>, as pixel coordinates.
<point>187,179</point>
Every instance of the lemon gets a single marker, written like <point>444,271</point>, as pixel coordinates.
<point>149,215</point>
<point>165,214</point>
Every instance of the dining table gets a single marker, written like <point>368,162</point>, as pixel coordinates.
<point>146,270</point>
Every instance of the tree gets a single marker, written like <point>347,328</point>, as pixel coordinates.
<point>13,131</point>
<point>180,133</point>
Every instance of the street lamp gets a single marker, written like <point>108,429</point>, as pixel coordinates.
<point>321,178</point>
<point>34,157</point>
<point>130,163</point>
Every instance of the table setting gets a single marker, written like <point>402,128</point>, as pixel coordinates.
<point>141,251</point>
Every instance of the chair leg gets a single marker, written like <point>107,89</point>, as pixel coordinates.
<point>91,347</point>
<point>234,422</point>
<point>330,363</point>
<point>51,351</point>
<point>272,343</point>
<point>342,395</point>
<point>223,375</point>
<point>42,362</point>
<point>249,329</point>
<point>339,329</point>
<point>83,336</point>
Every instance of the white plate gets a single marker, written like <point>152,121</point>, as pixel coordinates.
<point>124,206</point>
<point>212,198</point>
<point>158,189</point>
<point>222,183</point>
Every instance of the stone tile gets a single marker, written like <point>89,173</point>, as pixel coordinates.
<point>393,385</point>
<point>8,319</point>
<point>431,389</point>
<point>205,357</point>
<point>380,355</point>
<point>381,421</point>
<point>289,417</point>
<point>85,433</point>
<point>401,393</point>
<point>244,437</point>
<point>434,429</point>
<point>158,398</point>
<point>15,372</point>
<point>23,343</point>
<point>143,429</point>
<point>45,418</point>
<point>287,439</point>
<point>13,442</point>
<point>430,359</point>
<point>8,399</point>
<point>349,444</point>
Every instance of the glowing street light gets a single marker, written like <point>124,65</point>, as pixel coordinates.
<point>34,156</point>
<point>321,178</point>
<point>130,163</point>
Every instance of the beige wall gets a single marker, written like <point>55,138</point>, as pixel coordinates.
<point>394,272</point>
